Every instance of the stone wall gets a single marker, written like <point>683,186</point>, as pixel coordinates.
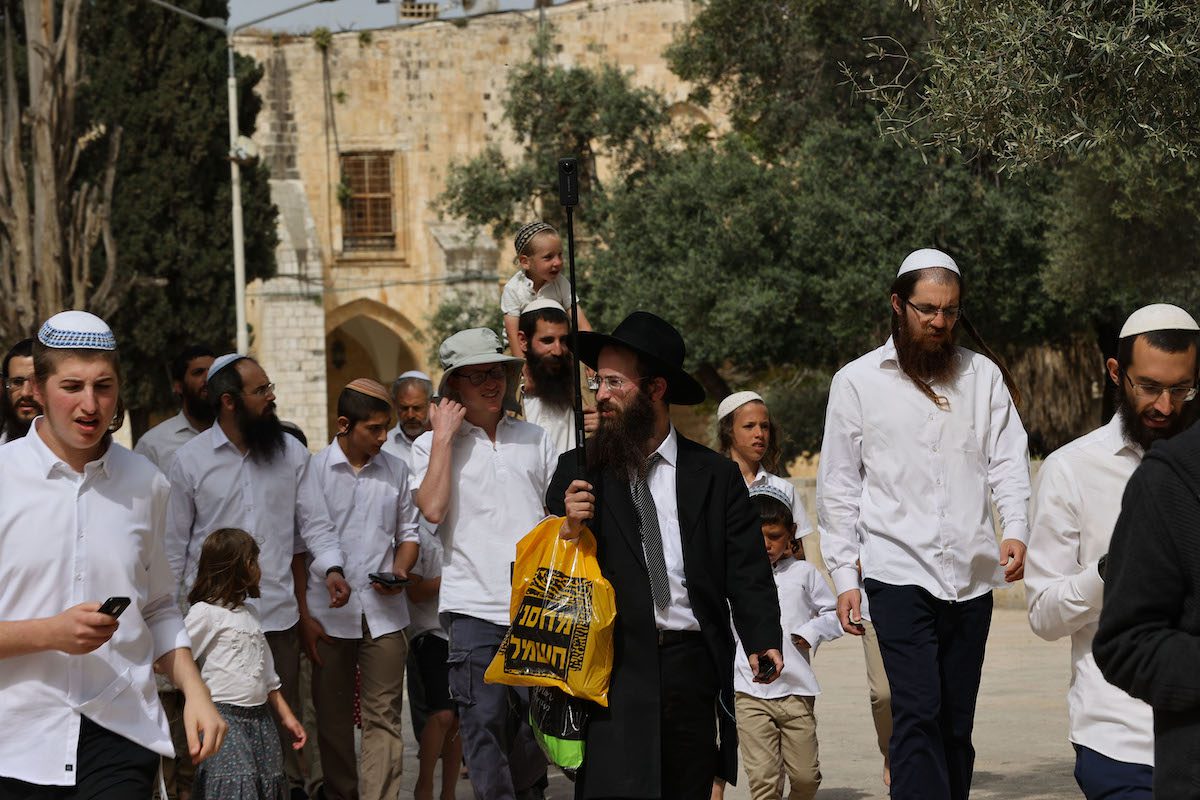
<point>430,95</point>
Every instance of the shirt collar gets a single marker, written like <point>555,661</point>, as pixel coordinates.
<point>221,440</point>
<point>889,357</point>
<point>49,461</point>
<point>337,456</point>
<point>470,429</point>
<point>397,434</point>
<point>182,423</point>
<point>1114,436</point>
<point>669,449</point>
<point>761,477</point>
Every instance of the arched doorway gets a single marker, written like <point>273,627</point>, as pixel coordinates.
<point>366,339</point>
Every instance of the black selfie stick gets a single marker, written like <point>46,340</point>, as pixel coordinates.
<point>568,197</point>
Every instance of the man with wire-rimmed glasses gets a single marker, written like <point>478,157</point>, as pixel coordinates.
<point>18,405</point>
<point>921,436</point>
<point>1076,506</point>
<point>246,472</point>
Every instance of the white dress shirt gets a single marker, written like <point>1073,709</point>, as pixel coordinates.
<point>799,513</point>
<point>160,442</point>
<point>1076,506</point>
<point>807,609</point>
<point>424,616</point>
<point>908,483</point>
<point>235,661</point>
<point>559,423</point>
<point>279,503</point>
<point>678,615</point>
<point>68,538</point>
<point>497,495</point>
<point>373,512</point>
<point>399,445</point>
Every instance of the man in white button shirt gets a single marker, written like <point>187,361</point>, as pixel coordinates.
<point>547,395</point>
<point>369,498</point>
<point>245,472</point>
<point>921,437</point>
<point>82,521</point>
<point>411,393</point>
<point>189,374</point>
<point>481,477</point>
<point>1076,505</point>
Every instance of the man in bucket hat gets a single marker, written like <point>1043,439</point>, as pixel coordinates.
<point>681,544</point>
<point>481,476</point>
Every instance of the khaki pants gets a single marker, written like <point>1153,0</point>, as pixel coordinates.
<point>878,688</point>
<point>381,702</point>
<point>771,733</point>
<point>178,771</point>
<point>285,650</point>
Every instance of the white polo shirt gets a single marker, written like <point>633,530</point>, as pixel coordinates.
<point>68,538</point>
<point>497,492</point>
<point>373,512</point>
<point>1076,506</point>
<point>911,485</point>
<point>279,503</point>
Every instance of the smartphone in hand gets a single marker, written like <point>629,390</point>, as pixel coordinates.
<point>389,580</point>
<point>114,606</point>
<point>766,669</point>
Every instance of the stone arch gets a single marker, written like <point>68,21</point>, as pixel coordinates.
<point>366,339</point>
<point>687,115</point>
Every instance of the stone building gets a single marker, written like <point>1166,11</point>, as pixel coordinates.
<point>358,136</point>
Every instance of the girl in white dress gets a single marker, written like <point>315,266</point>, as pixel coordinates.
<point>235,662</point>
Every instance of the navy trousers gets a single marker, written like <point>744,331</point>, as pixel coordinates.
<point>1104,778</point>
<point>933,654</point>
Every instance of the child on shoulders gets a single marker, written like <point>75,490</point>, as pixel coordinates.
<point>540,258</point>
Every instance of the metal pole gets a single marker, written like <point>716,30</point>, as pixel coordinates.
<point>239,238</point>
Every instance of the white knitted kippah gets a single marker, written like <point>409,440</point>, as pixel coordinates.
<point>1158,317</point>
<point>77,330</point>
<point>926,258</point>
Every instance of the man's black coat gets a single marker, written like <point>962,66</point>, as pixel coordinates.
<point>726,568</point>
<point>1148,641</point>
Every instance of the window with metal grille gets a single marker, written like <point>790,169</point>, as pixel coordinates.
<point>367,219</point>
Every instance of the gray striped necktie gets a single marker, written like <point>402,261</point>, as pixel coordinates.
<point>652,544</point>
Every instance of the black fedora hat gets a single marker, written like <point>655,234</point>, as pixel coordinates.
<point>655,340</point>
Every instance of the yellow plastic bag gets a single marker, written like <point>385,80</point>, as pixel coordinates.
<point>563,612</point>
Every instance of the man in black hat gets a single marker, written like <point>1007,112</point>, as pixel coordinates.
<point>681,545</point>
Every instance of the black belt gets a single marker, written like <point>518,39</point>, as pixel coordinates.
<point>679,637</point>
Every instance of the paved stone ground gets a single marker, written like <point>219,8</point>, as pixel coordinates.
<point>1020,725</point>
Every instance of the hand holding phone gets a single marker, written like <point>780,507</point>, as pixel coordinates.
<point>388,579</point>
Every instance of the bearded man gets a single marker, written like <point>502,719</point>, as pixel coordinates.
<point>682,546</point>
<point>19,404</point>
<point>1076,506</point>
<point>245,472</point>
<point>921,437</point>
<point>189,373</point>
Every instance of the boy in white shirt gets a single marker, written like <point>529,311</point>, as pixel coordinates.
<point>370,501</point>
<point>540,258</point>
<point>82,520</point>
<point>776,724</point>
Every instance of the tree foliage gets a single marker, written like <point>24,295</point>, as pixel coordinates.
<point>162,78</point>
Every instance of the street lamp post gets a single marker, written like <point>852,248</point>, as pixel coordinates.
<point>235,172</point>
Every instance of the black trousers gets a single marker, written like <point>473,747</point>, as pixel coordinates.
<point>688,687</point>
<point>933,654</point>
<point>108,767</point>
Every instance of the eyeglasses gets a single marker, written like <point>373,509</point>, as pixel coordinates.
<point>481,377</point>
<point>614,383</point>
<point>928,312</point>
<point>262,391</point>
<point>1150,391</point>
<point>17,383</point>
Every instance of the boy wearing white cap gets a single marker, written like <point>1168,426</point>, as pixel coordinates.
<point>1076,505</point>
<point>481,476</point>
<point>82,520</point>
<point>921,437</point>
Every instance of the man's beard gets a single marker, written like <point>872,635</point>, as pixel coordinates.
<point>262,435</point>
<point>198,408</point>
<point>618,442</point>
<point>933,363</point>
<point>15,427</point>
<point>1136,431</point>
<point>551,379</point>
